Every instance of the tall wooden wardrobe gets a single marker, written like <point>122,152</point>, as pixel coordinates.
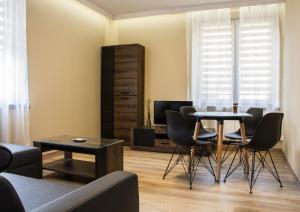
<point>122,90</point>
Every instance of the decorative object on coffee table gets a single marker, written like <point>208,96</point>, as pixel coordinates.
<point>79,140</point>
<point>108,155</point>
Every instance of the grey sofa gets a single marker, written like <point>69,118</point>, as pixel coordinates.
<point>25,160</point>
<point>115,192</point>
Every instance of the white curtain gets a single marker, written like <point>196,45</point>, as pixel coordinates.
<point>14,106</point>
<point>259,56</point>
<point>210,58</point>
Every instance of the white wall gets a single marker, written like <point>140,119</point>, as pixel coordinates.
<point>291,145</point>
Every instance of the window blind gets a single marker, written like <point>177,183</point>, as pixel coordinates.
<point>259,56</point>
<point>12,46</point>
<point>217,64</point>
<point>1,27</point>
<point>255,62</point>
<point>235,60</point>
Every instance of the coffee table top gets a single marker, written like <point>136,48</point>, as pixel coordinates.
<point>67,141</point>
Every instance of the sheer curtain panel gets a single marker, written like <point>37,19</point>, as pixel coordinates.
<point>14,106</point>
<point>210,58</point>
<point>259,56</point>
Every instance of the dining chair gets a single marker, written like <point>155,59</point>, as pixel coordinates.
<point>250,126</point>
<point>179,132</point>
<point>266,136</point>
<point>204,134</point>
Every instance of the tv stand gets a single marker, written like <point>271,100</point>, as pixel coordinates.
<point>153,139</point>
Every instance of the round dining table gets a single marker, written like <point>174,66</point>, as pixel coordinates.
<point>220,117</point>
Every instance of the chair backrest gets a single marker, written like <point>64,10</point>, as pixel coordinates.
<point>268,132</point>
<point>178,129</point>
<point>252,122</point>
<point>185,111</point>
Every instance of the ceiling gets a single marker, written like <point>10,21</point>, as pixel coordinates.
<point>118,9</point>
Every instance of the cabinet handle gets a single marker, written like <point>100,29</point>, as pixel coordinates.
<point>125,92</point>
<point>124,98</point>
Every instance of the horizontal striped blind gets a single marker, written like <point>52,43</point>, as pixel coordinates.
<point>9,43</point>
<point>216,64</point>
<point>255,64</point>
<point>1,27</point>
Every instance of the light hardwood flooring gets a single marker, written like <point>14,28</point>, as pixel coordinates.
<point>173,193</point>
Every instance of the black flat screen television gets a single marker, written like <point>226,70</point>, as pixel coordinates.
<point>161,106</point>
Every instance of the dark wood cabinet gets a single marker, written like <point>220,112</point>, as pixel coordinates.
<point>122,90</point>
<point>151,139</point>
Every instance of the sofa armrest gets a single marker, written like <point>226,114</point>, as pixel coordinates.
<point>115,192</point>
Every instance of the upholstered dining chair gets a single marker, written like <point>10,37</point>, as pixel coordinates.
<point>266,136</point>
<point>250,126</point>
<point>179,132</point>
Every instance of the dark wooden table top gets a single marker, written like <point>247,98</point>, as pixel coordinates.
<point>67,142</point>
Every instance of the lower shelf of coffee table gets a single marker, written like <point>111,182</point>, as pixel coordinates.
<point>72,167</point>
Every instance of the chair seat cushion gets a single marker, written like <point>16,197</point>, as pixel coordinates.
<point>34,193</point>
<point>235,136</point>
<point>22,155</point>
<point>207,135</point>
<point>201,142</point>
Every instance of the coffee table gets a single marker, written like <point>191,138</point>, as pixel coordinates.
<point>108,155</point>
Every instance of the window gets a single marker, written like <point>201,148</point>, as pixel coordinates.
<point>13,53</point>
<point>235,60</point>
<point>14,106</point>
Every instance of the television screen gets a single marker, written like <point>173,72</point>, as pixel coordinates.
<point>161,106</point>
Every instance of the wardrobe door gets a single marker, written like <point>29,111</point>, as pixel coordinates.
<point>107,92</point>
<point>128,65</point>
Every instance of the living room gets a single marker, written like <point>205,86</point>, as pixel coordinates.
<point>55,98</point>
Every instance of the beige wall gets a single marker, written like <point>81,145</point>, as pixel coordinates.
<point>292,85</point>
<point>164,39</point>
<point>64,38</point>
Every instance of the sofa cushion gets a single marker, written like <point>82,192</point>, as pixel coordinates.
<point>22,155</point>
<point>5,158</point>
<point>36,192</point>
<point>10,200</point>
<point>115,192</point>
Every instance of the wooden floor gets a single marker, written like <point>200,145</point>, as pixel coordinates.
<point>174,195</point>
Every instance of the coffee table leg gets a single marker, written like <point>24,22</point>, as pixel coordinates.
<point>68,155</point>
<point>109,160</point>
